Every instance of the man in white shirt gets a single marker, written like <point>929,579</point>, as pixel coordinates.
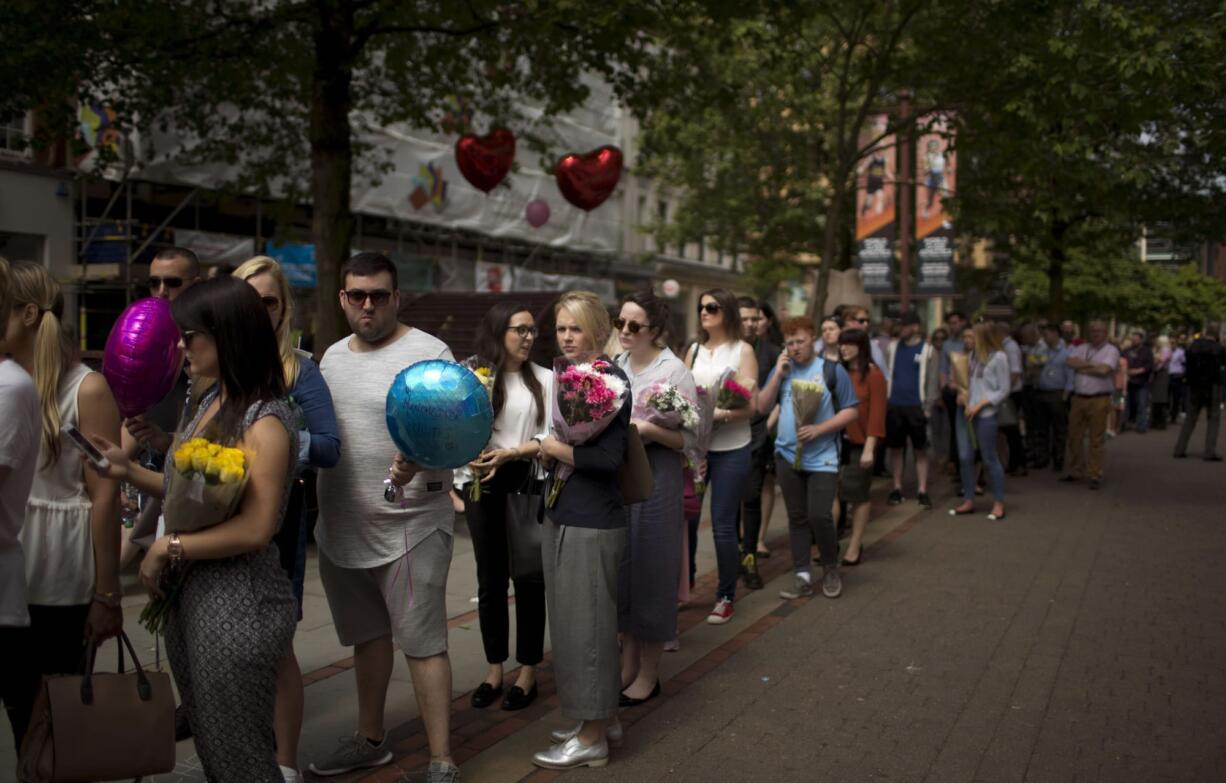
<point>384,565</point>
<point>19,440</point>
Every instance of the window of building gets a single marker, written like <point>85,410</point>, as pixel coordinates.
<point>13,134</point>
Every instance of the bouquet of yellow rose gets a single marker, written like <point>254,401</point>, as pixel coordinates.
<point>204,490</point>
<point>485,373</point>
<point>807,399</point>
<point>206,485</point>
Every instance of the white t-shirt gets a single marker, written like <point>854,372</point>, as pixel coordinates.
<point>20,431</point>
<point>357,527</point>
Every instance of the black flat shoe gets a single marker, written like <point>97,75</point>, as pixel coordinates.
<point>853,563</point>
<point>629,701</point>
<point>516,698</point>
<point>486,695</point>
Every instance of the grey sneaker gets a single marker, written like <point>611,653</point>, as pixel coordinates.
<point>832,583</point>
<point>353,753</point>
<point>440,772</point>
<point>801,588</point>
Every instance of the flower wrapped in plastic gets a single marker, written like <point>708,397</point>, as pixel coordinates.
<point>664,405</point>
<point>703,430</point>
<point>807,399</point>
<point>734,392</point>
<point>960,371</point>
<point>484,370</point>
<point>205,487</point>
<point>586,398</point>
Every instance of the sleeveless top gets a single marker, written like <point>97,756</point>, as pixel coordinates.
<point>708,366</point>
<point>257,411</point>
<point>57,539</point>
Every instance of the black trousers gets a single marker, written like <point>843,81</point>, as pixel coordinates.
<point>809,498</point>
<point>487,524</point>
<point>1050,428</point>
<point>53,644</point>
<point>750,528</point>
<point>949,397</point>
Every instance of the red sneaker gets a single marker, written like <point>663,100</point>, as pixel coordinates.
<point>722,612</point>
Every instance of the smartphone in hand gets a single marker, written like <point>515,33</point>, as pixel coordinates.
<point>91,452</point>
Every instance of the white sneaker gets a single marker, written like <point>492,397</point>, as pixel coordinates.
<point>290,775</point>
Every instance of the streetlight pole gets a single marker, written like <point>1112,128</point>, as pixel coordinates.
<point>905,206</point>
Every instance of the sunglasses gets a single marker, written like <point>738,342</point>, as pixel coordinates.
<point>752,319</point>
<point>357,297</point>
<point>270,301</point>
<point>858,320</point>
<point>710,307</point>
<point>621,324</point>
<point>190,335</point>
<point>524,331</point>
<point>170,282</point>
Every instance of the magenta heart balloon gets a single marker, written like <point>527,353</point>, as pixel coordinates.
<point>142,358</point>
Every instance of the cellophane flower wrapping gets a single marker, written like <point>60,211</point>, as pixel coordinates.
<point>664,405</point>
<point>960,371</point>
<point>807,399</point>
<point>484,370</point>
<point>703,429</point>
<point>586,397</point>
<point>734,392</point>
<point>206,485</point>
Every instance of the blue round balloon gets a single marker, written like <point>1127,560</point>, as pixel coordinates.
<point>439,414</point>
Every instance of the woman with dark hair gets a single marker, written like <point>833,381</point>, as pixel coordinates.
<point>234,616</point>
<point>720,348</point>
<point>647,580</point>
<point>832,327</point>
<point>522,396</point>
<point>768,327</point>
<point>863,435</point>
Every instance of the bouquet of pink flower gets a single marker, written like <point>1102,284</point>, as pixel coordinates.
<point>586,398</point>
<point>664,405</point>
<point>733,393</point>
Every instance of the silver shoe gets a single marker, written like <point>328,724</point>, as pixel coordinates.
<point>573,753</point>
<point>442,773</point>
<point>614,734</point>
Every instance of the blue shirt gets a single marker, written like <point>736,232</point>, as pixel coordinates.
<point>821,455</point>
<point>319,443</point>
<point>905,390</point>
<point>1055,374</point>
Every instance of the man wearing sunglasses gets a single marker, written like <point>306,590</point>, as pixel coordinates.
<point>384,565</point>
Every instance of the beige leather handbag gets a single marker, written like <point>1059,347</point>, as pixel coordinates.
<point>101,726</point>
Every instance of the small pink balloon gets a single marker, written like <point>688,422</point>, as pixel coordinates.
<point>537,212</point>
<point>142,357</point>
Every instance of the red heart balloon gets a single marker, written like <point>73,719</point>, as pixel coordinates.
<point>485,160</point>
<point>587,180</point>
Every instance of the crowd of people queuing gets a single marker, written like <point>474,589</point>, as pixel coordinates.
<point>608,577</point>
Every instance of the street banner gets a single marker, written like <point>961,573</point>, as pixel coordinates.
<point>934,228</point>
<point>876,208</point>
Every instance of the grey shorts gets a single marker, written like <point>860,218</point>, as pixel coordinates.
<point>405,599</point>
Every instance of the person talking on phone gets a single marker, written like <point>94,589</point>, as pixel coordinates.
<point>71,531</point>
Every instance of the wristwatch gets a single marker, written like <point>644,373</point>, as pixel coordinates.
<point>175,548</point>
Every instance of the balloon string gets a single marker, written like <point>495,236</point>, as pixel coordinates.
<point>406,562</point>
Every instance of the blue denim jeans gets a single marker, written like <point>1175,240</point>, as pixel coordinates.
<point>1138,405</point>
<point>986,428</point>
<point>727,472</point>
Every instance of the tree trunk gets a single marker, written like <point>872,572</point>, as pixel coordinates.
<point>817,308</point>
<point>331,167</point>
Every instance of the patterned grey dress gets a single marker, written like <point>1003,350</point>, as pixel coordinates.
<point>231,626</point>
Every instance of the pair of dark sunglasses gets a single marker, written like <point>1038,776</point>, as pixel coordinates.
<point>711,307</point>
<point>270,301</point>
<point>524,331</point>
<point>634,327</point>
<point>357,297</point>
<point>170,282</point>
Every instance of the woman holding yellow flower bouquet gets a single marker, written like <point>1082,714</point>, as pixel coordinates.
<point>232,613</point>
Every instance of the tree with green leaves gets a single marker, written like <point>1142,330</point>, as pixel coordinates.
<point>1080,124</point>
<point>758,122</point>
<point>280,91</point>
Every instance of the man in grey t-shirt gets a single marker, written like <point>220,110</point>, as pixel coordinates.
<point>384,565</point>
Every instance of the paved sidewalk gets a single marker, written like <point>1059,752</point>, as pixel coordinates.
<point>1080,639</point>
